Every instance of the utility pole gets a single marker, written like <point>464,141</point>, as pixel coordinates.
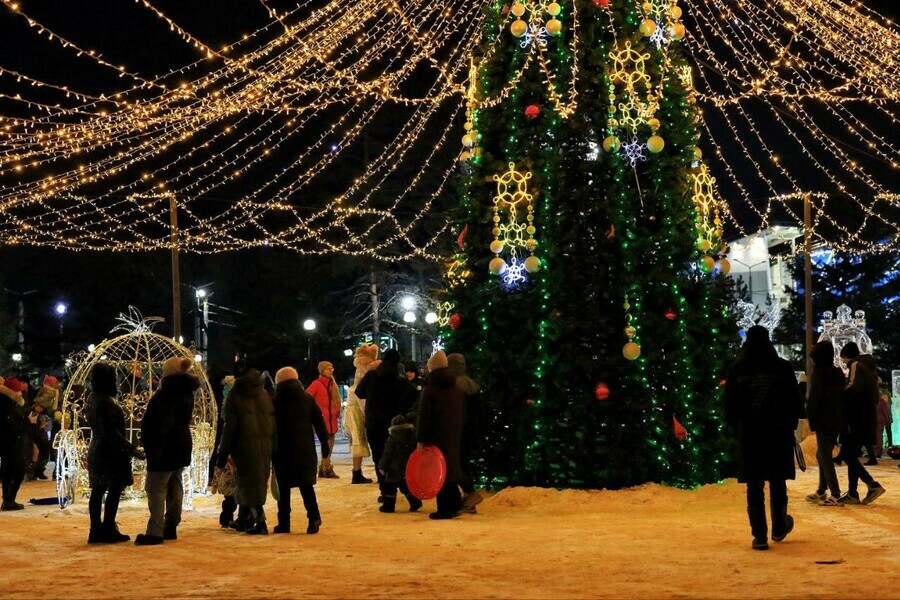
<point>807,284</point>
<point>376,307</point>
<point>176,273</point>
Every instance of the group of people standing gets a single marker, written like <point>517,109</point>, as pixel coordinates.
<point>266,441</point>
<point>29,418</point>
<point>764,404</point>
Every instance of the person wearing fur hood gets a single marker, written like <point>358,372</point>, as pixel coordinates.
<point>355,415</point>
<point>325,392</point>
<point>471,432</point>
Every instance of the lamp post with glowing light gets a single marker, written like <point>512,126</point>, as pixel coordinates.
<point>309,326</point>
<point>61,308</point>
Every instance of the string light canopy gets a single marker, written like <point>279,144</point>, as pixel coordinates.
<point>253,139</point>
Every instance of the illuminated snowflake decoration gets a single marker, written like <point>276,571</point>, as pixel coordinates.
<point>534,33</point>
<point>660,37</point>
<point>515,274</point>
<point>634,151</point>
<point>437,345</point>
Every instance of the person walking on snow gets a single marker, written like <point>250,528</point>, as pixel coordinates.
<point>355,415</point>
<point>297,413</point>
<point>472,431</point>
<point>109,456</point>
<point>248,438</point>
<point>166,436</point>
<point>325,392</point>
<point>860,399</point>
<point>763,407</point>
<point>824,410</point>
<point>400,445</point>
<point>442,417</point>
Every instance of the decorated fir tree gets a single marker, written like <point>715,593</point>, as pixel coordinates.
<point>585,286</point>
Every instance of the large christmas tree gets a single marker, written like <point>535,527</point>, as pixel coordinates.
<point>585,286</point>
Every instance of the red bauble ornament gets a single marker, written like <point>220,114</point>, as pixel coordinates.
<point>601,392</point>
<point>462,237</point>
<point>455,321</point>
<point>532,111</point>
<point>670,314</point>
<point>602,3</point>
<point>680,431</point>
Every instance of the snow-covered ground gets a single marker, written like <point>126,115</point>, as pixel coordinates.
<point>646,542</point>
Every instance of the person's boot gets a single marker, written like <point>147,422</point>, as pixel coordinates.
<point>225,519</point>
<point>313,527</point>
<point>12,506</point>
<point>389,504</point>
<point>414,503</point>
<point>358,477</point>
<point>170,532</point>
<point>759,527</point>
<point>98,536</point>
<point>788,527</point>
<point>143,539</point>
<point>259,529</point>
<point>330,474</point>
<point>284,524</point>
<point>114,536</point>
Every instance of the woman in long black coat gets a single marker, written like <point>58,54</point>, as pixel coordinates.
<point>297,415</point>
<point>109,456</point>
<point>14,443</point>
<point>442,417</point>
<point>763,406</point>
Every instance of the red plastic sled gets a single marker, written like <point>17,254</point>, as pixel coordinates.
<point>426,472</point>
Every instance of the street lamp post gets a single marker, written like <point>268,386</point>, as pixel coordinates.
<point>309,326</point>
<point>61,309</point>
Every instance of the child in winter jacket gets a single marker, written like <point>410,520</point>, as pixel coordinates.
<point>400,445</point>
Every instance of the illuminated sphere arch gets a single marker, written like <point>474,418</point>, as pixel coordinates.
<point>138,355</point>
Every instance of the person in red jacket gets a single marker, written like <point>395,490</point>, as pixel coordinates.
<point>325,391</point>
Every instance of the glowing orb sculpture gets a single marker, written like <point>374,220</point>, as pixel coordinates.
<point>138,356</point>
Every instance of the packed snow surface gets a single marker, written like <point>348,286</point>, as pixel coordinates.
<point>646,542</point>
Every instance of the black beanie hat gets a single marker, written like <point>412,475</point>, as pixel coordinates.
<point>411,366</point>
<point>850,350</point>
<point>392,357</point>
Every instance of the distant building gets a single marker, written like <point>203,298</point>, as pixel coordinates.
<point>762,262</point>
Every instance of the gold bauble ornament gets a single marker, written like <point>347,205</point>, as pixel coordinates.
<point>655,144</point>
<point>677,30</point>
<point>646,7</point>
<point>554,9</point>
<point>648,27</point>
<point>468,140</point>
<point>518,9</point>
<point>496,246</point>
<point>497,265</point>
<point>495,231</point>
<point>631,351</point>
<point>554,26</point>
<point>653,123</point>
<point>530,230</point>
<point>518,27</point>
<point>675,12</point>
<point>698,153</point>
<point>630,331</point>
<point>724,266</point>
<point>530,245</point>
<point>464,156</point>
<point>611,144</point>
<point>707,264</point>
<point>532,264</point>
<point>703,245</point>
<point>468,126</point>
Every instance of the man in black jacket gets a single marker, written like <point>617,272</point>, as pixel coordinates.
<point>387,394</point>
<point>166,436</point>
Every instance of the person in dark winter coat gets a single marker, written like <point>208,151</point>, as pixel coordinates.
<point>109,456</point>
<point>824,409</point>
<point>860,399</point>
<point>297,414</point>
<point>387,394</point>
<point>442,417</point>
<point>249,438</point>
<point>14,440</point>
<point>763,407</point>
<point>411,371</point>
<point>166,436</point>
<point>472,431</point>
<point>400,445</point>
